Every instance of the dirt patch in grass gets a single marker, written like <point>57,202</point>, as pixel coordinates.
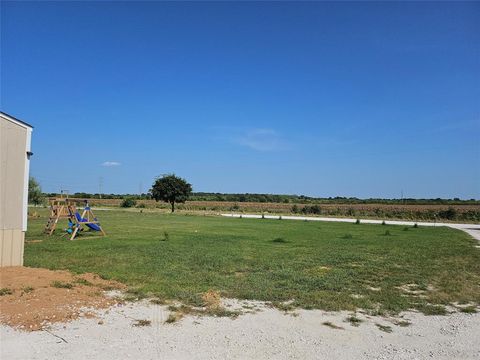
<point>40,297</point>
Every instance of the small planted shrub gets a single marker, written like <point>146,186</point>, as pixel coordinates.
<point>415,225</point>
<point>280,217</point>
<point>357,222</point>
<point>128,203</point>
<point>263,216</point>
<point>384,223</point>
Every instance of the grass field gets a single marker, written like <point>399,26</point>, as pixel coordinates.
<point>331,266</point>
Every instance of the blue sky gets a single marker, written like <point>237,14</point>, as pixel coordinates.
<point>321,99</point>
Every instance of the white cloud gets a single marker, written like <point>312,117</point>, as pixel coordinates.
<point>261,140</point>
<point>111,163</point>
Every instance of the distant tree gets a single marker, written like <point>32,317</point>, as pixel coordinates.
<point>35,195</point>
<point>171,189</point>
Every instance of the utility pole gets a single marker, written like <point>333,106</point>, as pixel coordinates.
<point>100,186</point>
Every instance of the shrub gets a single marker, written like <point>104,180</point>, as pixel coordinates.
<point>383,222</point>
<point>387,233</point>
<point>357,222</point>
<point>128,203</point>
<point>235,207</point>
<point>295,209</point>
<point>315,209</point>
<point>141,206</point>
<point>449,214</point>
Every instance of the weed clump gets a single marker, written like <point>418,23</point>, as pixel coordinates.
<point>279,240</point>
<point>347,236</point>
<point>5,291</point>
<point>142,322</point>
<point>387,233</point>
<point>469,310</point>
<point>357,222</point>
<point>166,236</point>
<point>61,285</point>
<point>27,289</point>
<point>82,282</point>
<point>428,309</point>
<point>402,323</point>
<point>354,320</point>
<point>332,325</point>
<point>384,328</point>
<point>174,317</point>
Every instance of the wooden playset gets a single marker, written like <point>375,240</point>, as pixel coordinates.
<point>65,208</point>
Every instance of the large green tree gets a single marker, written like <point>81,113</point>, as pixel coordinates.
<point>35,195</point>
<point>171,189</point>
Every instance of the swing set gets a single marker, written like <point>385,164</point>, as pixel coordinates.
<point>65,208</point>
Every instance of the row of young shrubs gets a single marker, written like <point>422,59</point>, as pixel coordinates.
<point>450,214</point>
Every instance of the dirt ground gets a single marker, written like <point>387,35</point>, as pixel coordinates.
<point>77,318</point>
<point>33,299</point>
<point>142,330</point>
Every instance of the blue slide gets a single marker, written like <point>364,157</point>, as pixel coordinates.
<point>91,226</point>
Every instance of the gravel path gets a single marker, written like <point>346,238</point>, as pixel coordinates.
<point>472,229</point>
<point>265,334</point>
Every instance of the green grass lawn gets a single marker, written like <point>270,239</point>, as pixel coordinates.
<point>331,266</point>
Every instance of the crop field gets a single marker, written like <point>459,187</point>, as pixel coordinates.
<point>331,266</point>
<point>461,213</point>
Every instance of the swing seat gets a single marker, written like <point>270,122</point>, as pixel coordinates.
<point>94,227</point>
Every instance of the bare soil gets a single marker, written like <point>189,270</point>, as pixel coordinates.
<point>35,298</point>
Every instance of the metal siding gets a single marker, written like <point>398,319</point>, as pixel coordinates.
<point>13,142</point>
<point>11,246</point>
<point>13,189</point>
